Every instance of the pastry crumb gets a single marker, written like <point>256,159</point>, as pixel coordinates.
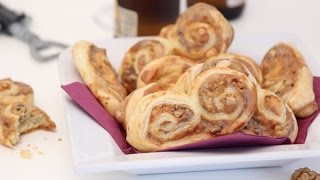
<point>45,138</point>
<point>25,154</point>
<point>59,139</point>
<point>40,153</point>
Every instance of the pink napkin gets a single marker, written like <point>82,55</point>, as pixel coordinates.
<point>84,98</point>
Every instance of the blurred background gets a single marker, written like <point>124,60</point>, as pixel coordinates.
<point>68,21</point>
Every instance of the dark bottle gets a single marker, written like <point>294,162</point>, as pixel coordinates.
<point>144,17</point>
<point>231,9</point>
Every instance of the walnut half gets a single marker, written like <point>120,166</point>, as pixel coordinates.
<point>305,174</point>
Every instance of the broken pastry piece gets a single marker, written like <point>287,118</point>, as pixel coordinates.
<point>98,74</point>
<point>286,74</point>
<point>19,118</point>
<point>11,92</point>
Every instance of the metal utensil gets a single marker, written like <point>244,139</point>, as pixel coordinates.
<point>13,24</point>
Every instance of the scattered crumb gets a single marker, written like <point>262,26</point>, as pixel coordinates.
<point>40,153</point>
<point>59,139</point>
<point>25,154</point>
<point>45,138</point>
<point>30,151</point>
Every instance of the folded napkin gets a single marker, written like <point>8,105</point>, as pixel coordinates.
<point>84,98</point>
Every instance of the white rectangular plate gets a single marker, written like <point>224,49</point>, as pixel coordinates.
<point>94,150</point>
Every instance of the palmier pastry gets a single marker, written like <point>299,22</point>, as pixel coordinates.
<point>286,74</point>
<point>184,82</point>
<point>250,64</point>
<point>129,103</point>
<point>138,56</point>
<point>272,118</point>
<point>226,99</point>
<point>162,120</point>
<point>97,73</point>
<point>11,92</point>
<point>186,79</point>
<point>200,32</point>
<point>165,70</point>
<point>19,118</point>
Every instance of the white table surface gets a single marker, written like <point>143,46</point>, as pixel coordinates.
<point>71,20</point>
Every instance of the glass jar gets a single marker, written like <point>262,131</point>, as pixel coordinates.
<point>144,17</point>
<point>231,9</point>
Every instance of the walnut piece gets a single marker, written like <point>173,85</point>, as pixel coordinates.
<point>305,174</point>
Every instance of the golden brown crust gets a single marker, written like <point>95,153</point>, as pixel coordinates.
<point>11,92</point>
<point>281,63</point>
<point>165,70</point>
<point>184,82</point>
<point>166,30</point>
<point>162,120</point>
<point>249,63</point>
<point>138,56</point>
<point>19,118</point>
<point>307,110</point>
<point>120,113</point>
<point>218,101</point>
<point>226,99</point>
<point>8,131</point>
<point>200,32</point>
<point>129,103</point>
<point>286,74</point>
<point>272,117</point>
<point>99,75</point>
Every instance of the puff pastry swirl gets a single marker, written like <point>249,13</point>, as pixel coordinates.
<point>226,99</point>
<point>127,106</point>
<point>162,120</point>
<point>249,63</point>
<point>165,70</point>
<point>200,32</point>
<point>286,74</point>
<point>98,74</point>
<point>138,56</point>
<point>272,118</point>
<point>185,80</point>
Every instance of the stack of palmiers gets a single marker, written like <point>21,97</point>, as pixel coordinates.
<point>183,86</point>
